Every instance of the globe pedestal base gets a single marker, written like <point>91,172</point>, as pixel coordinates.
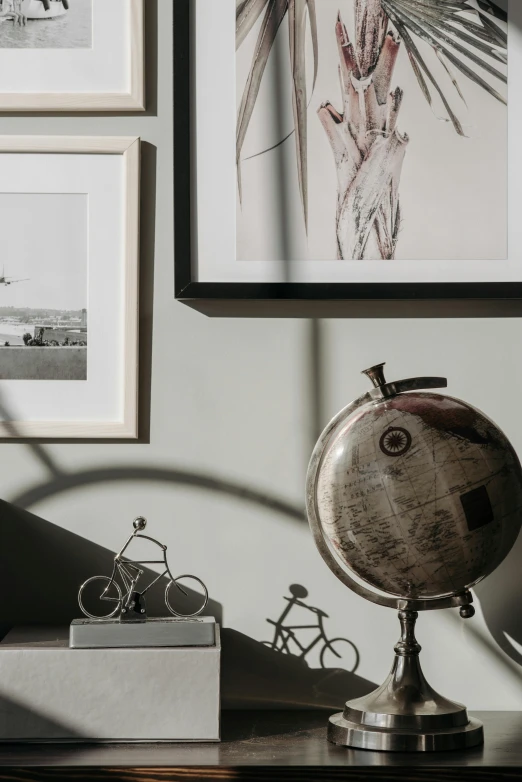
<point>351,734</point>
<point>405,714</point>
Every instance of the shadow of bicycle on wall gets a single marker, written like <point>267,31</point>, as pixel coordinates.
<point>309,640</point>
<point>300,668</point>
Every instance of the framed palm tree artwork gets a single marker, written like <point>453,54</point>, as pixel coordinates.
<point>347,151</point>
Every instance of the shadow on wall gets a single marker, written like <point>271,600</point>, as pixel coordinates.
<point>499,594</point>
<point>276,673</point>
<point>302,640</point>
<point>42,567</point>
<point>255,676</point>
<point>499,597</point>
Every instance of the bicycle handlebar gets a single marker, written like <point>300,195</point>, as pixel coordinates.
<point>147,537</point>
<point>314,610</point>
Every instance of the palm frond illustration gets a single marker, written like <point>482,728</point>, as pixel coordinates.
<point>466,37</point>
<point>441,25</point>
<point>247,14</point>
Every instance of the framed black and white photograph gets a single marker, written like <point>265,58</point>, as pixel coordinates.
<point>72,55</point>
<point>45,305</point>
<point>357,150</point>
<point>69,286</point>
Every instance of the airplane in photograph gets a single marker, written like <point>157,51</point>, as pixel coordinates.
<point>9,280</point>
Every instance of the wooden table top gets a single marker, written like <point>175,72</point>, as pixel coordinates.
<point>259,745</point>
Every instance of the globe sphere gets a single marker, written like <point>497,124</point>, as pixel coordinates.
<point>419,494</point>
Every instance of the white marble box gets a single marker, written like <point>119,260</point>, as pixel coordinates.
<point>49,692</point>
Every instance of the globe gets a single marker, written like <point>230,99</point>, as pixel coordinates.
<point>413,497</point>
<point>418,494</point>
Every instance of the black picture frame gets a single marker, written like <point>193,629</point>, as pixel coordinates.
<point>452,299</point>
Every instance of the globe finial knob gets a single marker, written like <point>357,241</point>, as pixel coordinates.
<point>376,375</point>
<point>467,612</point>
<point>140,523</point>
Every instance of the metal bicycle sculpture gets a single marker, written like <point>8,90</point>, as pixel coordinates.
<point>131,603</point>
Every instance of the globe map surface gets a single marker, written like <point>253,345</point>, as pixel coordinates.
<point>420,494</point>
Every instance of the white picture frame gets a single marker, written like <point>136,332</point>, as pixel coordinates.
<point>127,58</point>
<point>120,297</point>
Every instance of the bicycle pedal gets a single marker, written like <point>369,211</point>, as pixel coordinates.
<point>135,609</point>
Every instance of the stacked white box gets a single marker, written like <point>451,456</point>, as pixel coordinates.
<point>49,692</point>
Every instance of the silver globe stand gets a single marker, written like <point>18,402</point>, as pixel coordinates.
<point>405,714</point>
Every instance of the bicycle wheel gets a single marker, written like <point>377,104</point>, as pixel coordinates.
<point>106,589</point>
<point>195,603</point>
<point>340,653</point>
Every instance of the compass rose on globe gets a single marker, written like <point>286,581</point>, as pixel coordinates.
<point>395,441</point>
<point>413,497</point>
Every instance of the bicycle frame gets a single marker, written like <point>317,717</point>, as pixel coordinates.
<point>130,582</point>
<point>286,634</point>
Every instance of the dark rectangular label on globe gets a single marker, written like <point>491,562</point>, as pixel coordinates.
<point>477,508</point>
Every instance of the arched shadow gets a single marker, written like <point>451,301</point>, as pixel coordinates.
<point>59,480</point>
<point>63,482</point>
<point>253,676</point>
<point>497,595</point>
